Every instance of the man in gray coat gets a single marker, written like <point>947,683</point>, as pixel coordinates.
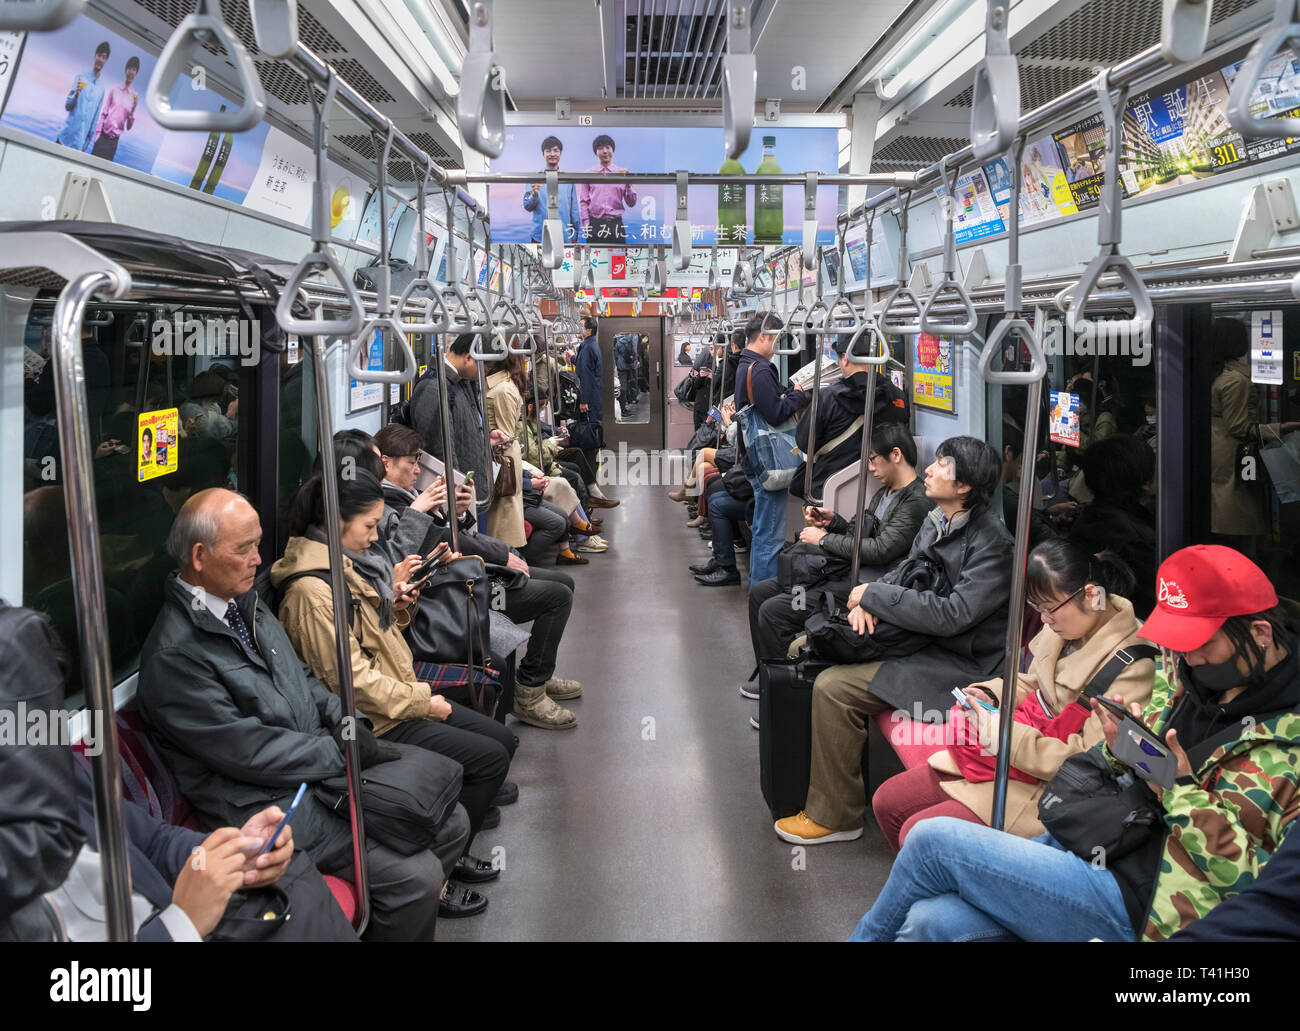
<point>967,623</point>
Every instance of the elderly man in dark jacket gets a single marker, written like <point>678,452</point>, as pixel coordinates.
<point>894,517</point>
<point>242,722</point>
<point>967,623</point>
<point>840,418</point>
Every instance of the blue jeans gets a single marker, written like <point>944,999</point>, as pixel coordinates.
<point>959,881</point>
<point>723,509</point>
<point>769,531</point>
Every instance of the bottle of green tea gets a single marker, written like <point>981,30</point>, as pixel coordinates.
<point>732,215</point>
<point>205,162</point>
<point>769,217</point>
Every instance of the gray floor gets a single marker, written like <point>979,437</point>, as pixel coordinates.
<point>646,821</point>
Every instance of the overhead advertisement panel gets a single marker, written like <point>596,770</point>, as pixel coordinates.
<point>636,215</point>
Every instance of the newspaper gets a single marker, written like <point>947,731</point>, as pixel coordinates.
<point>831,373</point>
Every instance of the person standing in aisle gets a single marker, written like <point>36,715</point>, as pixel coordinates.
<point>591,385</point>
<point>757,385</point>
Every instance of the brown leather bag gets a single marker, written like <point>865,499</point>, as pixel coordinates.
<point>507,482</point>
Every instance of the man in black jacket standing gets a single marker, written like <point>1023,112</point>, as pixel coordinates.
<point>242,722</point>
<point>967,622</point>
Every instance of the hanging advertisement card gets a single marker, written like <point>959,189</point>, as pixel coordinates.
<point>157,434</point>
<point>1064,425</point>
<point>1266,350</point>
<point>932,373</point>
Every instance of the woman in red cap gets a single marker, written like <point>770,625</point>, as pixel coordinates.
<point>1226,711</point>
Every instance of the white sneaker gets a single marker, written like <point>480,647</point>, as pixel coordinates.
<point>595,543</point>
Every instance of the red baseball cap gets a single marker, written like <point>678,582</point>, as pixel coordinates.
<point>1198,589</point>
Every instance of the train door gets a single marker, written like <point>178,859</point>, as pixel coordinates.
<point>632,354</point>
<point>1244,479</point>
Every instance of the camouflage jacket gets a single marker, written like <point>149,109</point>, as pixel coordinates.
<point>1225,820</point>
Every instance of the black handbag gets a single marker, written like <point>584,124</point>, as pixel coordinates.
<point>298,907</point>
<point>685,391</point>
<point>832,638</point>
<point>736,483</point>
<point>405,801</point>
<point>586,435</point>
<point>799,564</point>
<point>451,623</point>
<point>1085,807</point>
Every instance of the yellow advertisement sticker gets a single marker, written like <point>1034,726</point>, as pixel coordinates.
<point>157,438</point>
<point>1062,195</point>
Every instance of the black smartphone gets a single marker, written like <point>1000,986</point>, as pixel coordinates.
<point>425,569</point>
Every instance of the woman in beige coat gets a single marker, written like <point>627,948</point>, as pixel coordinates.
<point>505,404</point>
<point>1086,621</point>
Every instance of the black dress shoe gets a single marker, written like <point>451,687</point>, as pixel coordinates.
<point>703,568</point>
<point>472,870</point>
<point>723,576</point>
<point>461,901</point>
<point>507,793</point>
<point>491,819</point>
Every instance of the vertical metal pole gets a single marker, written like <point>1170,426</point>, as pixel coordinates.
<point>868,416</point>
<point>817,389</point>
<point>444,424</point>
<point>72,412</point>
<point>342,635</point>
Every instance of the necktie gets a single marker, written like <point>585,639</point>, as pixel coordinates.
<point>237,624</point>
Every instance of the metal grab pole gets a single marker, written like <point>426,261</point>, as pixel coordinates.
<point>444,424</point>
<point>72,412</point>
<point>817,389</point>
<point>342,635</point>
<point>868,417</point>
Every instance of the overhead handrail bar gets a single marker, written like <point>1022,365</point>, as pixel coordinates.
<point>38,15</point>
<point>76,448</point>
<point>180,54</point>
<point>902,291</point>
<point>319,258</point>
<point>481,103</point>
<point>948,282</point>
<point>383,321</point>
<point>995,100</point>
<point>739,81</point>
<point>1184,29</point>
<point>1282,30</point>
<point>275,26</point>
<point>342,623</point>
<point>1109,234</point>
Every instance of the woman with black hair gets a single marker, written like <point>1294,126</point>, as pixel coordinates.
<point>1120,472</point>
<point>1087,621</point>
<point>401,707</point>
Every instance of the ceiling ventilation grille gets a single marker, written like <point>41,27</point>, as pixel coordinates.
<point>907,153</point>
<point>1038,84</point>
<point>676,53</point>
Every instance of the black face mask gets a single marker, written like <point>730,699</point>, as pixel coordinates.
<point>1217,677</point>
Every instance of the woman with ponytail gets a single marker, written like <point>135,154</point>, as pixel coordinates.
<point>1088,645</point>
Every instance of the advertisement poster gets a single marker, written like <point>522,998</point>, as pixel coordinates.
<point>367,395</point>
<point>1266,349</point>
<point>932,373</point>
<point>282,186</point>
<point>1082,154</point>
<point>1044,193</point>
<point>368,231</point>
<point>977,214</point>
<point>11,45</point>
<point>626,214</point>
<point>83,86</point>
<point>157,434</point>
<point>1064,425</point>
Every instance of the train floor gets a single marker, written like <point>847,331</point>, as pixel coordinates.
<point>646,820</point>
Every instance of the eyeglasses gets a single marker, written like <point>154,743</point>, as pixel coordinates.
<point>1053,610</point>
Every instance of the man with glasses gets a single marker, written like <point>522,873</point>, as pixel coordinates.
<point>893,518</point>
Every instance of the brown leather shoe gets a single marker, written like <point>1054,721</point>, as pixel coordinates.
<point>568,558</point>
<point>604,502</point>
<point>678,495</point>
<point>699,520</point>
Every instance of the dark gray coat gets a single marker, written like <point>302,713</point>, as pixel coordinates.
<point>466,426</point>
<point>894,534</point>
<point>969,624</point>
<point>240,729</point>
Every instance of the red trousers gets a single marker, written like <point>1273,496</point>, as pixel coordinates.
<point>906,799</point>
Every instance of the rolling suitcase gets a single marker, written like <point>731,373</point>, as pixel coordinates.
<point>785,731</point>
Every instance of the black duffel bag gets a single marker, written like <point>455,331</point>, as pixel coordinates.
<point>400,274</point>
<point>1085,807</point>
<point>685,391</point>
<point>405,801</point>
<point>807,565</point>
<point>586,435</point>
<point>736,483</point>
<point>832,638</point>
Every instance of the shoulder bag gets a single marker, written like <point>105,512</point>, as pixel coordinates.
<point>773,453</point>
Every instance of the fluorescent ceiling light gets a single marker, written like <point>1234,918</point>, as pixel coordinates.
<point>929,45</point>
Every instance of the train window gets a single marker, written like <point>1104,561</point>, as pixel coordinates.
<point>298,437</point>
<point>1254,446</point>
<point>141,478</point>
